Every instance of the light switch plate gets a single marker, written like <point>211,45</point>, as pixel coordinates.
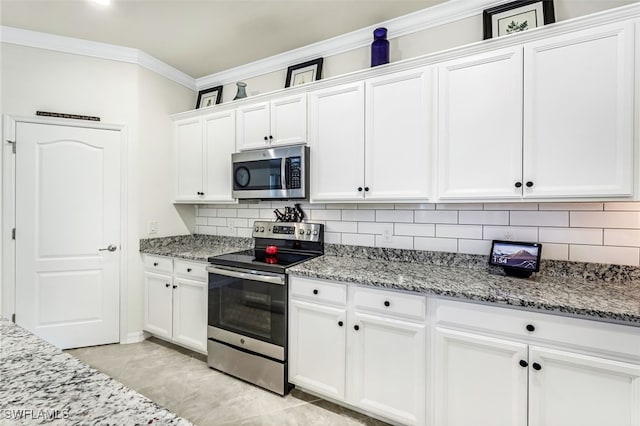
<point>153,227</point>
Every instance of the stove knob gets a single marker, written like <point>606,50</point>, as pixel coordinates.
<point>257,228</point>
<point>315,232</point>
<point>301,232</point>
<point>262,229</point>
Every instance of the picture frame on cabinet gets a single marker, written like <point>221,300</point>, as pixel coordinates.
<point>209,97</point>
<point>517,16</point>
<point>305,72</point>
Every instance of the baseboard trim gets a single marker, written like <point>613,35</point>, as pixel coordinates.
<point>134,337</point>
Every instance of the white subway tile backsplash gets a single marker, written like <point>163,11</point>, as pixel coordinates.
<point>530,218</point>
<point>586,232</point>
<point>483,217</point>
<point>338,226</point>
<point>459,231</point>
<point>605,254</point>
<point>571,206</point>
<point>367,240</point>
<point>395,242</point>
<point>436,244</point>
<point>374,227</point>
<point>415,229</point>
<point>510,233</point>
<point>482,247</point>
<point>608,219</point>
<point>359,215</point>
<point>394,216</point>
<point>555,251</point>
<point>570,235</point>
<point>622,237</point>
<point>325,214</point>
<point>436,216</point>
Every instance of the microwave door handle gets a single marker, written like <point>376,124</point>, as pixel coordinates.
<point>283,174</point>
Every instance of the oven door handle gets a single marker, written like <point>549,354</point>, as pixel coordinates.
<point>272,279</point>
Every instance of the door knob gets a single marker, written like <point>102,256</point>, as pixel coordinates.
<point>112,247</point>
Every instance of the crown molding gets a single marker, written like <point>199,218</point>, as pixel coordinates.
<point>94,49</point>
<point>444,13</point>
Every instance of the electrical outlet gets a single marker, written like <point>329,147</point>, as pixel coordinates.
<point>231,224</point>
<point>508,236</point>
<point>153,227</point>
<point>387,234</point>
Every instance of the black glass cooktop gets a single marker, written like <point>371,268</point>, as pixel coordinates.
<point>260,261</point>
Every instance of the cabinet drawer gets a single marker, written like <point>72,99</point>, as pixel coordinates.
<point>318,290</point>
<point>193,270</point>
<point>158,263</point>
<point>389,303</point>
<point>540,327</point>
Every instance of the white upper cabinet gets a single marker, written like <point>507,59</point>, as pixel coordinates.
<point>578,114</point>
<point>480,126</point>
<point>281,121</point>
<point>398,121</point>
<point>203,148</point>
<point>336,142</point>
<point>378,150</point>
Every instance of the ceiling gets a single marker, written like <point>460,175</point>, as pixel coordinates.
<point>207,36</point>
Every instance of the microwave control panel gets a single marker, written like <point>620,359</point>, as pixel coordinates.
<point>295,167</point>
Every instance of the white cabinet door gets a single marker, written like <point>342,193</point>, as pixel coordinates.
<point>317,348</point>
<point>190,313</point>
<point>188,153</point>
<point>336,142</point>
<point>289,120</point>
<point>158,304</point>
<point>398,121</point>
<point>567,389</point>
<point>219,139</point>
<point>480,126</point>
<point>253,126</point>
<point>387,367</point>
<point>479,380</point>
<point>578,113</point>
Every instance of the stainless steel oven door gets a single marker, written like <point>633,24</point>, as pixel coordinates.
<point>248,309</point>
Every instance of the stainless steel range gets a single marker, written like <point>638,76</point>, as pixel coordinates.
<point>248,293</point>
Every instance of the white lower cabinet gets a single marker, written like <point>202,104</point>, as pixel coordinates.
<point>586,374</point>
<point>364,355</point>
<point>175,301</point>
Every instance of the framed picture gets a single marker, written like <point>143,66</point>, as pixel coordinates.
<point>208,97</point>
<point>305,72</point>
<point>517,16</point>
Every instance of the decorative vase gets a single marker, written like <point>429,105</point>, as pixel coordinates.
<point>242,92</point>
<point>379,47</point>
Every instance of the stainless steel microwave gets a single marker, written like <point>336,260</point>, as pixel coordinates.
<point>276,173</point>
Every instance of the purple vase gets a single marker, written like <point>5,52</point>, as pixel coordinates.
<point>379,47</point>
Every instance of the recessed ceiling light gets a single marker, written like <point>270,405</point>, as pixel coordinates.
<point>101,2</point>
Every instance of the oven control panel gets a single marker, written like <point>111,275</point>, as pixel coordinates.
<point>289,230</point>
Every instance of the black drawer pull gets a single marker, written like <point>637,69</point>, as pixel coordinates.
<point>356,327</point>
<point>340,323</point>
<point>188,269</point>
<point>387,303</point>
<point>155,263</point>
<point>536,366</point>
<point>523,363</point>
<point>531,328</point>
<point>315,291</point>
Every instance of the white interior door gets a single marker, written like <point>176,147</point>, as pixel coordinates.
<point>67,210</point>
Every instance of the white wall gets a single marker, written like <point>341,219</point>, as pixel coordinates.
<point>121,93</point>
<point>582,232</point>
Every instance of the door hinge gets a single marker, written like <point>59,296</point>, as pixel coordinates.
<point>13,234</point>
<point>13,146</point>
<point>13,318</point>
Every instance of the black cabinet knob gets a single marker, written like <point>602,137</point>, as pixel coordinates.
<point>340,323</point>
<point>266,138</point>
<point>536,366</point>
<point>387,303</point>
<point>315,291</point>
<point>518,184</point>
<point>188,269</point>
<point>270,137</point>
<point>155,263</point>
<point>356,327</point>
<point>359,189</point>
<point>529,184</point>
<point>167,285</point>
<point>175,286</point>
<point>366,189</point>
<point>523,363</point>
<point>531,328</point>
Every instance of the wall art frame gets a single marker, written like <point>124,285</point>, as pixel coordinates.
<point>517,16</point>
<point>304,72</point>
<point>209,97</point>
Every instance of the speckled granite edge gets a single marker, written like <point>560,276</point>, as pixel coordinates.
<point>40,384</point>
<point>199,240</point>
<point>551,268</point>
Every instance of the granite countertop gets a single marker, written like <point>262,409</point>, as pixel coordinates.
<point>602,292</point>
<point>42,384</point>
<point>194,247</point>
